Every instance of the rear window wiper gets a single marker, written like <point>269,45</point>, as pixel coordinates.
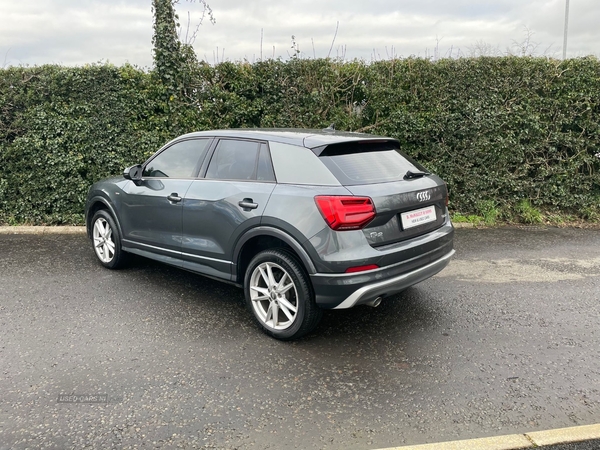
<point>412,175</point>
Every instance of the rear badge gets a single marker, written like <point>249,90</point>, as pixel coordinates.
<point>424,196</point>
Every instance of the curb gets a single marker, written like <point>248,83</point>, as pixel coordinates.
<point>463,225</point>
<point>534,439</point>
<point>42,230</point>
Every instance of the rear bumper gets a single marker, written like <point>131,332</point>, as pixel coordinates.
<point>341,291</point>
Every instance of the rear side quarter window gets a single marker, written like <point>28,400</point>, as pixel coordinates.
<point>299,165</point>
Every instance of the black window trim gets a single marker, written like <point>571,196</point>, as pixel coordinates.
<point>266,144</point>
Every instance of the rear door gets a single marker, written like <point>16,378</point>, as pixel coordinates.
<point>228,200</point>
<point>151,212</point>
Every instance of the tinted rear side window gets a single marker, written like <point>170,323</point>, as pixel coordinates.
<point>234,160</point>
<point>369,167</point>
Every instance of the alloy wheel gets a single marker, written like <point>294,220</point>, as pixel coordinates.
<point>274,296</point>
<point>104,244</point>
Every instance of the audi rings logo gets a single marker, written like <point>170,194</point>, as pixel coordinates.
<point>423,196</point>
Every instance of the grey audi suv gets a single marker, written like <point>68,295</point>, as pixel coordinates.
<point>302,220</point>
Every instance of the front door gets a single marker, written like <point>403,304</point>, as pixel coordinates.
<point>152,208</point>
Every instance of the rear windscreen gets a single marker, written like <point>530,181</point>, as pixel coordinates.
<point>368,167</point>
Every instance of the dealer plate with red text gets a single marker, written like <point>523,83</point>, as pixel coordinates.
<point>418,217</point>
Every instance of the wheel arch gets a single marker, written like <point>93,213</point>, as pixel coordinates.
<point>96,204</point>
<point>261,238</point>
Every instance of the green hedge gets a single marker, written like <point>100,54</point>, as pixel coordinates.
<point>499,130</point>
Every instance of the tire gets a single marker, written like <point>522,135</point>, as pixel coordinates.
<point>106,240</point>
<point>283,307</point>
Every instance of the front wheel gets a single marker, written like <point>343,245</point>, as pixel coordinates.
<point>106,240</point>
<point>279,294</point>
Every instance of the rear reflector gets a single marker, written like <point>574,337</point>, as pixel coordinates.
<point>345,213</point>
<point>362,268</point>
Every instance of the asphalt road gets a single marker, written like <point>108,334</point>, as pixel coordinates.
<point>505,340</point>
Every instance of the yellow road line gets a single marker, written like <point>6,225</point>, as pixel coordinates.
<point>515,441</point>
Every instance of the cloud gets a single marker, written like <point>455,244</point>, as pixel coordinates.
<point>75,32</point>
<point>71,32</point>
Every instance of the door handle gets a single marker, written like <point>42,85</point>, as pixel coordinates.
<point>247,204</point>
<point>174,197</point>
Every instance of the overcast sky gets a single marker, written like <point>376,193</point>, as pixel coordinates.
<point>76,32</point>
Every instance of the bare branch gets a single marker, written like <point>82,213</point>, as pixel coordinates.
<point>526,47</point>
<point>4,64</point>
<point>337,25</point>
<point>190,38</point>
<point>482,48</point>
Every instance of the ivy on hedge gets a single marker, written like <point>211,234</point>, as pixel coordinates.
<point>496,129</point>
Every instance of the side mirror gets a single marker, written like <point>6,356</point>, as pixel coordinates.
<point>133,173</point>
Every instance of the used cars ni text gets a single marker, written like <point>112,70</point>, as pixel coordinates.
<point>303,220</point>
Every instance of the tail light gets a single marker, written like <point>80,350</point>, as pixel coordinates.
<point>345,213</point>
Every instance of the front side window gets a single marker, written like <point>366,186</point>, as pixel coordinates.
<point>178,161</point>
<point>234,160</point>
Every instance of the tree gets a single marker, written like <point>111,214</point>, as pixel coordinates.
<point>171,56</point>
<point>168,58</point>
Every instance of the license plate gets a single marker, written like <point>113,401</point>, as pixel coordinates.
<point>418,217</point>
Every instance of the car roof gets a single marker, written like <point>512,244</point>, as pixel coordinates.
<point>294,136</point>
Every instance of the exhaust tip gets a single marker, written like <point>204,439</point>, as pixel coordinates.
<point>374,303</point>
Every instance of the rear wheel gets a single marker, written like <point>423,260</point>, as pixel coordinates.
<point>279,294</point>
<point>106,240</point>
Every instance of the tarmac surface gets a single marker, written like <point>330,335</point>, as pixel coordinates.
<point>588,445</point>
<point>503,341</point>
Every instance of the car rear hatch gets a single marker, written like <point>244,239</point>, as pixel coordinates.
<point>408,200</point>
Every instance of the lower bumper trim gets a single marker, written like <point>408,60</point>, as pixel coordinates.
<point>396,284</point>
